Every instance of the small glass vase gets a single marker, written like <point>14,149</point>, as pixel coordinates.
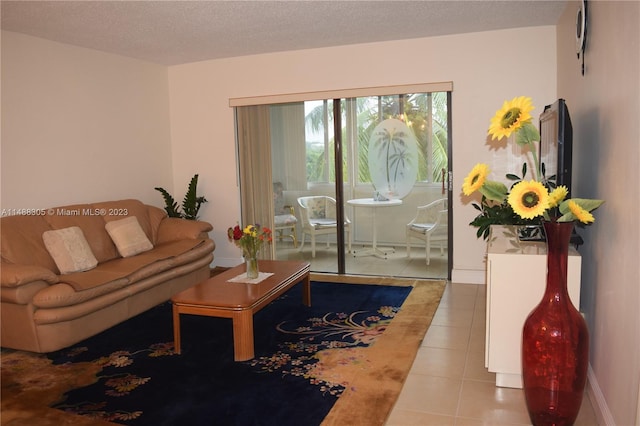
<point>252,267</point>
<point>555,342</point>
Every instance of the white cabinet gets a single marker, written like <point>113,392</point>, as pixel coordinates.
<point>516,279</point>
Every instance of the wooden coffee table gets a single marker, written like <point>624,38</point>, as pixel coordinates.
<point>217,297</point>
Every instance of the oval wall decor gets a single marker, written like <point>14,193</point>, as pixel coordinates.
<point>393,158</point>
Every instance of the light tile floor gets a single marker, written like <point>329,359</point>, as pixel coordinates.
<point>448,383</point>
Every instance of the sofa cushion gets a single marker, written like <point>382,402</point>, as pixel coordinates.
<point>63,294</point>
<point>171,255</point>
<point>21,241</point>
<point>96,277</point>
<point>12,275</point>
<point>173,228</point>
<point>21,295</point>
<point>128,236</point>
<point>69,249</point>
<point>137,267</point>
<point>90,220</point>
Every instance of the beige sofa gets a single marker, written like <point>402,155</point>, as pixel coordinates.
<point>44,309</point>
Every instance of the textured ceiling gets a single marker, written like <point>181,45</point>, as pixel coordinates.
<point>175,32</point>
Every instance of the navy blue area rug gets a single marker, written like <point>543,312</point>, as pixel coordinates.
<point>143,382</point>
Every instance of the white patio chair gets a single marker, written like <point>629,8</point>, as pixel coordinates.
<point>429,225</point>
<point>318,217</point>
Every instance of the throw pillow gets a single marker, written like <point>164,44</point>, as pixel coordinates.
<point>69,249</point>
<point>128,236</point>
<point>317,206</point>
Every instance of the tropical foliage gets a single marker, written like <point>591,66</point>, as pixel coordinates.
<point>424,113</point>
<point>190,204</point>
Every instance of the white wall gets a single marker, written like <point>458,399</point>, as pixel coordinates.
<point>80,125</point>
<point>605,111</point>
<point>486,69</point>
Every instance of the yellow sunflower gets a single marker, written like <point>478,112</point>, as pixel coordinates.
<point>557,195</point>
<point>510,117</point>
<point>582,215</point>
<point>475,179</point>
<point>529,199</point>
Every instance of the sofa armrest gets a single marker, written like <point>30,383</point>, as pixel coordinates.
<point>173,229</point>
<point>13,275</point>
<point>23,294</point>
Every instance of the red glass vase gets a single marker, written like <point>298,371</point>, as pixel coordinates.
<point>555,342</point>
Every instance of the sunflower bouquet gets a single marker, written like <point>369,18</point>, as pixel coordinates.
<point>527,202</point>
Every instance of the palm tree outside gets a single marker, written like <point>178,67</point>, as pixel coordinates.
<point>424,113</point>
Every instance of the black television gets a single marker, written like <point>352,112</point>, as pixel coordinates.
<point>556,143</point>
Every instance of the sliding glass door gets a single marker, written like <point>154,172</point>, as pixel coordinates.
<point>393,155</point>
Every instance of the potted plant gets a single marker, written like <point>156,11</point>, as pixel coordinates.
<point>190,204</point>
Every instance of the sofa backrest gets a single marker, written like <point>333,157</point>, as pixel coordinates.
<point>92,224</point>
<point>149,217</point>
<point>21,241</point>
<point>21,236</point>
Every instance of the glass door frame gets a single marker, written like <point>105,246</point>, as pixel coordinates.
<point>339,146</point>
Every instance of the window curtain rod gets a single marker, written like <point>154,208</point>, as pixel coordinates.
<point>446,86</point>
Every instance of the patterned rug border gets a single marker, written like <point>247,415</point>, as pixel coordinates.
<point>379,385</point>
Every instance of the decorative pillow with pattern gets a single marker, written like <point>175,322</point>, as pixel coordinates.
<point>69,249</point>
<point>317,206</point>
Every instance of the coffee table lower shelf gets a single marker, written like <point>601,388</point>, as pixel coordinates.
<point>216,297</point>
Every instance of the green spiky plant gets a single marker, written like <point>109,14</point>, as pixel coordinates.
<point>190,204</point>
